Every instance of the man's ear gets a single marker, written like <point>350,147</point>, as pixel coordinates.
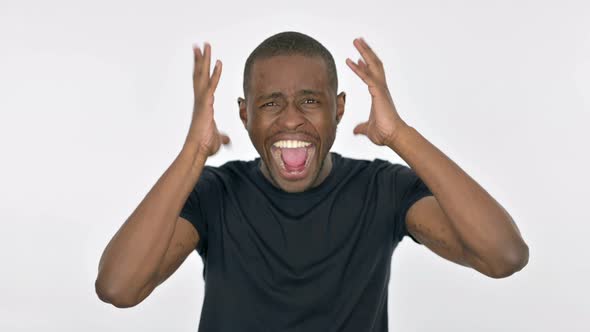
<point>340,101</point>
<point>242,110</point>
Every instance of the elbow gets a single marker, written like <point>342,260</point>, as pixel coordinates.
<point>514,261</point>
<point>112,296</point>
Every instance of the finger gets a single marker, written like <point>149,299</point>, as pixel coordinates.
<point>224,139</point>
<point>197,51</point>
<point>206,60</point>
<point>198,58</point>
<point>215,77</point>
<point>369,50</point>
<point>361,128</point>
<point>363,65</point>
<point>368,55</point>
<point>365,44</point>
<point>357,70</point>
<point>364,52</point>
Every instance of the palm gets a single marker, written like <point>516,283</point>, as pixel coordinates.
<point>376,131</point>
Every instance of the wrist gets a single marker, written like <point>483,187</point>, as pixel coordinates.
<point>194,153</point>
<point>401,129</point>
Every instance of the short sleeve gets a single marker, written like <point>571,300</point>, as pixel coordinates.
<point>193,209</point>
<point>409,188</point>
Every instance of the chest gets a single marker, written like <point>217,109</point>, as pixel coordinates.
<point>338,229</point>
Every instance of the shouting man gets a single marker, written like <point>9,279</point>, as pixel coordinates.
<point>301,238</point>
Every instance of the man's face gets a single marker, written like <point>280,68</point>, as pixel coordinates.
<point>291,114</point>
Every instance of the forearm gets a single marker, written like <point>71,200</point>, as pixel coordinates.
<point>133,255</point>
<point>483,225</point>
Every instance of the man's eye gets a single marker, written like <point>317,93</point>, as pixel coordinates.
<point>267,104</point>
<point>308,99</point>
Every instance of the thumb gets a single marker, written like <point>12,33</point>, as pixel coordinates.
<point>224,139</point>
<point>361,128</point>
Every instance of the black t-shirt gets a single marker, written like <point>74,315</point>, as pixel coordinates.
<point>317,260</point>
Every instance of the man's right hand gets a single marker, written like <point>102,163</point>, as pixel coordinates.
<point>203,134</point>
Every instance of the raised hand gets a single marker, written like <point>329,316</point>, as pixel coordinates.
<point>384,121</point>
<point>203,134</point>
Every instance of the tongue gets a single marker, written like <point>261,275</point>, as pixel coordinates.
<point>294,158</point>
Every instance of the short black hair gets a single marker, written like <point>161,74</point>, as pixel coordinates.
<point>291,43</point>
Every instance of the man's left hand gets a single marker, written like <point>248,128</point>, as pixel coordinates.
<point>384,121</point>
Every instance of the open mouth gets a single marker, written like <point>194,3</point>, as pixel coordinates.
<point>293,158</point>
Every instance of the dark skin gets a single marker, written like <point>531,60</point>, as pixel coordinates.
<point>461,222</point>
<point>291,94</point>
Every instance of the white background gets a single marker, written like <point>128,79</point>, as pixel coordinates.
<point>95,102</point>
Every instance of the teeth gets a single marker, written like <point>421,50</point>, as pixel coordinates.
<point>290,144</point>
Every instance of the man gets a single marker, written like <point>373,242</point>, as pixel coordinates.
<point>301,238</point>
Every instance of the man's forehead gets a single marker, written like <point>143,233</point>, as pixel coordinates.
<point>289,75</point>
<point>294,66</point>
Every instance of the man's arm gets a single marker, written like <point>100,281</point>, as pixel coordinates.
<point>427,222</point>
<point>144,251</point>
<point>131,262</point>
<point>464,223</point>
<point>183,243</point>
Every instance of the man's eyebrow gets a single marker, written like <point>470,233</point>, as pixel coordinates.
<point>311,92</point>
<point>270,95</point>
<point>277,94</point>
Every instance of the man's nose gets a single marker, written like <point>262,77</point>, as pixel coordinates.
<point>291,117</point>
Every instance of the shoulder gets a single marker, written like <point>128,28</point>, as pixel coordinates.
<point>227,168</point>
<point>236,168</point>
<point>228,173</point>
<point>377,165</point>
<point>393,169</point>
<point>378,172</point>
<point>349,163</point>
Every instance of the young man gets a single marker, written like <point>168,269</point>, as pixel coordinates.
<point>301,238</point>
